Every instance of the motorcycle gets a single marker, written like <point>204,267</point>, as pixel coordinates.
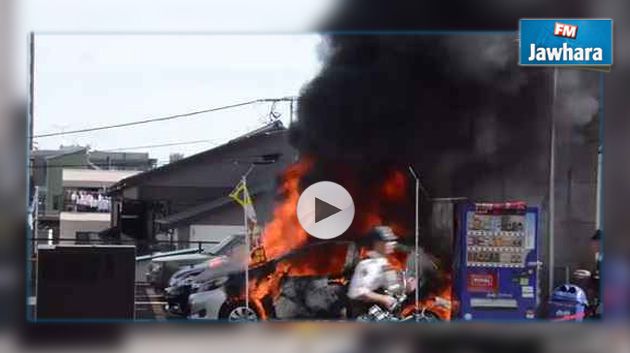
<point>404,308</point>
<point>377,313</point>
<point>589,282</point>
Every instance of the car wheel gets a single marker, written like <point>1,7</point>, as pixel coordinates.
<point>237,312</point>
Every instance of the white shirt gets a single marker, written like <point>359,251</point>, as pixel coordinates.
<point>369,275</point>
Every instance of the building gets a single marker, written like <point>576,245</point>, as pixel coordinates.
<point>56,173</point>
<point>85,207</point>
<point>187,201</point>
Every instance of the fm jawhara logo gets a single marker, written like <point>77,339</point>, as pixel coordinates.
<point>566,42</point>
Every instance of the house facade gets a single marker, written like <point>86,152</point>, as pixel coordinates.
<point>85,207</point>
<point>55,174</point>
<point>187,201</point>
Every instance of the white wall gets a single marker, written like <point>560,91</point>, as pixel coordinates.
<point>94,178</point>
<point>71,222</point>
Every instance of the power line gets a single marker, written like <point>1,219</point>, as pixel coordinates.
<point>165,118</point>
<point>88,165</point>
<point>132,163</point>
<point>160,145</point>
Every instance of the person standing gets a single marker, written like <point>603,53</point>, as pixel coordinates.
<point>374,274</point>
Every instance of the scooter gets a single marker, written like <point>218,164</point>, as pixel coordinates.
<point>587,279</point>
<point>377,313</point>
<point>404,308</point>
<point>570,301</point>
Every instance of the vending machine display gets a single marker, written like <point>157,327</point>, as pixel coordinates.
<point>499,260</point>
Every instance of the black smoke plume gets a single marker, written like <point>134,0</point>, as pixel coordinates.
<point>455,105</point>
<point>462,15</point>
<point>451,105</point>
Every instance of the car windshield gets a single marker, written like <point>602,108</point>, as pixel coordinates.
<point>226,245</point>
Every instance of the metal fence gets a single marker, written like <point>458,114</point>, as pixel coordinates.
<point>146,249</point>
<point>169,246</point>
<point>163,245</point>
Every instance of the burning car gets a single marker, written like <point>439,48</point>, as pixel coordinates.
<point>307,283</point>
<point>318,292</point>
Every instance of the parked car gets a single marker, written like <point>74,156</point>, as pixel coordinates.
<point>162,268</point>
<point>180,284</point>
<point>213,299</point>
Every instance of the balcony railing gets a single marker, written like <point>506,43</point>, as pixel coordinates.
<point>87,202</point>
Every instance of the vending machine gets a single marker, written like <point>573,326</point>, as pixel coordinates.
<point>497,270</point>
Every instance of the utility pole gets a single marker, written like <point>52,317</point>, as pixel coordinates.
<point>416,252</point>
<point>31,196</point>
<point>247,240</point>
<point>552,182</point>
<point>291,111</point>
<point>31,92</point>
<point>247,198</point>
<point>35,210</point>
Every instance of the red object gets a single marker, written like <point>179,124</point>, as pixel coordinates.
<point>565,30</point>
<point>217,261</point>
<point>482,282</point>
<point>501,207</point>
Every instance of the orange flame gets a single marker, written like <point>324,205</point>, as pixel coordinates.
<point>283,234</point>
<point>440,303</point>
<point>392,191</point>
<point>395,187</point>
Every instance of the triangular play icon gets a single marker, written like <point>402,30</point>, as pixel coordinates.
<point>324,210</point>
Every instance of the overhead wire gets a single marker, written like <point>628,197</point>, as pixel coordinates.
<point>164,118</point>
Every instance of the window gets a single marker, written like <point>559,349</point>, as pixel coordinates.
<point>86,237</point>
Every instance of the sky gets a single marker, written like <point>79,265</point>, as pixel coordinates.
<point>82,81</point>
<point>162,58</point>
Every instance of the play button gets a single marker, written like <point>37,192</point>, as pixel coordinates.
<point>325,210</point>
